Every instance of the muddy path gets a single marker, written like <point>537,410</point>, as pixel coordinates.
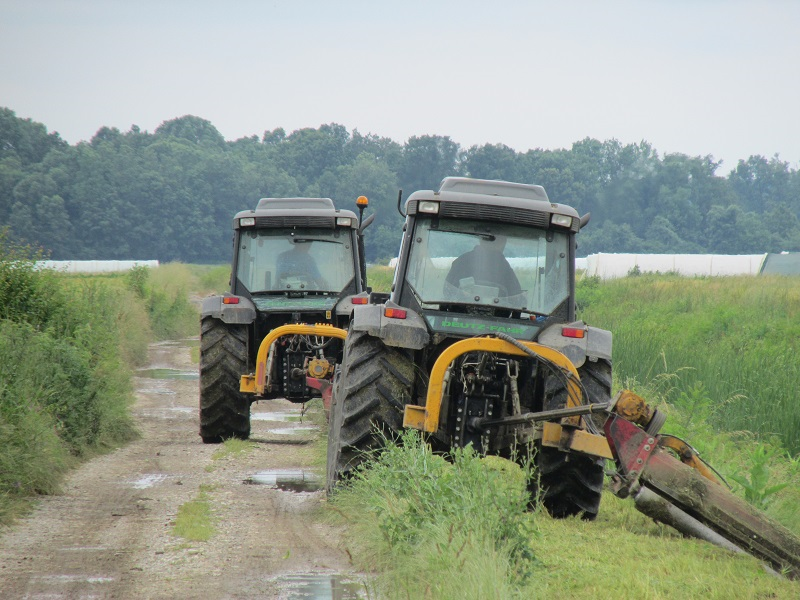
<point>110,533</point>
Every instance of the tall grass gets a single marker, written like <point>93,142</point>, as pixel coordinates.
<point>429,528</point>
<point>67,344</point>
<point>165,294</point>
<point>379,278</point>
<point>438,529</point>
<point>727,346</point>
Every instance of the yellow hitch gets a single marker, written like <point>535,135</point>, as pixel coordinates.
<point>259,383</point>
<point>426,418</point>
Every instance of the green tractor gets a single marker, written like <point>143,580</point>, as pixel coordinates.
<point>479,333</point>
<point>298,264</point>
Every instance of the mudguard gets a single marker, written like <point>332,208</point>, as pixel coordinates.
<point>595,343</point>
<point>411,332</point>
<point>242,312</point>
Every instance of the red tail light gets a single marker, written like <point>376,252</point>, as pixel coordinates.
<point>230,300</point>
<point>573,332</point>
<point>360,300</point>
<point>394,313</point>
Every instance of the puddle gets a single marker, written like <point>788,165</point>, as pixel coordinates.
<point>156,391</point>
<point>292,430</point>
<point>288,480</point>
<point>78,578</point>
<point>167,374</point>
<point>147,481</point>
<point>313,586</point>
<point>275,416</point>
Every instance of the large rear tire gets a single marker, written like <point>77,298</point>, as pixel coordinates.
<point>571,484</point>
<point>371,388</point>
<point>224,410</point>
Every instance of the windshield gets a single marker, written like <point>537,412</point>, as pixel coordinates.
<point>491,264</point>
<point>307,259</point>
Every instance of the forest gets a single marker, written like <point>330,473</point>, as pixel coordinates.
<point>171,194</point>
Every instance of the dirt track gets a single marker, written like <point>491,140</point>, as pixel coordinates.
<point>109,535</point>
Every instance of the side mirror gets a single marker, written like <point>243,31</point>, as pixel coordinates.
<point>585,219</point>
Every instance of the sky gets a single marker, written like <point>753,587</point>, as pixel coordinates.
<point>697,77</point>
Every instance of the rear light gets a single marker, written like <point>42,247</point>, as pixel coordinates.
<point>230,300</point>
<point>394,313</point>
<point>573,332</point>
<point>360,300</point>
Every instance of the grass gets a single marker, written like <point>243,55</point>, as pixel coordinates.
<point>623,554</point>
<point>195,519</point>
<point>728,346</point>
<point>428,528</point>
<point>88,331</point>
<point>718,356</point>
<point>233,448</point>
<point>379,278</point>
<point>434,529</point>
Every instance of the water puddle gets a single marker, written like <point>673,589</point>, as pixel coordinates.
<point>167,374</point>
<point>291,417</point>
<point>313,586</point>
<point>147,481</point>
<point>76,578</point>
<point>156,387</point>
<point>292,430</point>
<point>287,480</point>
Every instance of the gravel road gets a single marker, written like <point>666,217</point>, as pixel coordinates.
<point>110,533</point>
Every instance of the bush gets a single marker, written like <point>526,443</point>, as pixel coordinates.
<point>65,388</point>
<point>439,528</point>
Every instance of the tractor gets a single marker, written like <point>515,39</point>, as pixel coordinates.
<point>480,327</point>
<point>479,345</point>
<point>297,265</point>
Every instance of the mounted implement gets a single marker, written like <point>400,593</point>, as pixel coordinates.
<point>298,264</point>
<point>479,344</point>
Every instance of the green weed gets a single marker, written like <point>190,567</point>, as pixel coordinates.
<point>195,521</point>
<point>757,488</point>
<point>233,448</point>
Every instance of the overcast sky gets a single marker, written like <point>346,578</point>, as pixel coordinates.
<point>700,77</point>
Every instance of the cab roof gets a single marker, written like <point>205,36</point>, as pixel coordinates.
<point>285,212</point>
<point>464,197</point>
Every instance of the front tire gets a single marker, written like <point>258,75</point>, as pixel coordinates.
<point>370,391</point>
<point>224,410</point>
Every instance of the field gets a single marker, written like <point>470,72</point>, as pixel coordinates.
<point>716,354</point>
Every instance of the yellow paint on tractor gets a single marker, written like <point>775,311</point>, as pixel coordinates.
<point>426,418</point>
<point>257,383</point>
<point>575,440</point>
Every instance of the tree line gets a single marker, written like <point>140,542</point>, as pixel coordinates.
<point>171,194</point>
